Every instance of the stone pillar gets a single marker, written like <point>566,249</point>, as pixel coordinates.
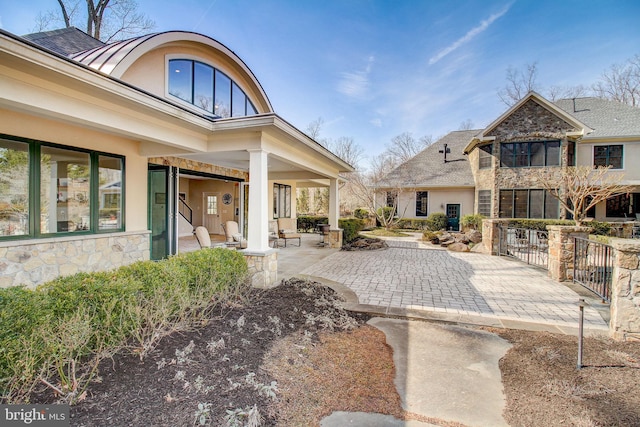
<point>334,238</point>
<point>561,250</point>
<point>263,268</point>
<point>258,233</point>
<point>625,290</point>
<point>491,234</point>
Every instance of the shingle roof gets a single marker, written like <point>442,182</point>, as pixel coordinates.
<point>606,118</point>
<point>428,168</point>
<point>65,41</point>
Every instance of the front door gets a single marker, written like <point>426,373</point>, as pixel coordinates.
<point>453,217</point>
<point>211,214</point>
<point>161,210</point>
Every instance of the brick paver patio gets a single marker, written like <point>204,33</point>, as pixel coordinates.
<point>407,276</point>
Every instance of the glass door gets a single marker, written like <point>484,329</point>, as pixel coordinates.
<point>161,210</point>
<point>244,208</point>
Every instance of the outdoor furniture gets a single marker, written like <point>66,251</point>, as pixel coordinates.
<point>288,229</point>
<point>323,231</point>
<point>203,237</point>
<point>273,234</point>
<point>233,235</point>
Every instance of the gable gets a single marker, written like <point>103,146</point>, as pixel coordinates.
<point>530,119</point>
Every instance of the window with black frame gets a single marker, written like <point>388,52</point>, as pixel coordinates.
<point>530,154</point>
<point>528,203</point>
<point>608,155</point>
<point>422,202</point>
<point>281,201</point>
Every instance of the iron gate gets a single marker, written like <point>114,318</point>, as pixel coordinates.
<point>530,246</point>
<point>592,266</point>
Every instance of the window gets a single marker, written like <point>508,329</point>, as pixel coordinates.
<point>485,155</point>
<point>422,199</point>
<point>624,206</point>
<point>281,201</point>
<point>212,205</point>
<point>49,189</point>
<point>528,154</point>
<point>392,199</point>
<point>608,155</point>
<point>531,203</point>
<point>208,89</point>
<point>484,203</point>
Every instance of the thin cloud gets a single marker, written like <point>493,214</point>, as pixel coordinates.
<point>471,34</point>
<point>376,122</point>
<point>355,84</point>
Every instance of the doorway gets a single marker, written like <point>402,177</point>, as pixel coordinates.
<point>453,217</point>
<point>161,210</point>
<point>211,212</point>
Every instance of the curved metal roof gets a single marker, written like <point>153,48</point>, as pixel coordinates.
<point>115,58</point>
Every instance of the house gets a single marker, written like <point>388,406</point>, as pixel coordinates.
<point>490,171</point>
<point>438,179</point>
<point>107,151</point>
<point>536,133</point>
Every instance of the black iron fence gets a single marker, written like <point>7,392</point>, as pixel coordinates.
<point>592,266</point>
<point>530,246</point>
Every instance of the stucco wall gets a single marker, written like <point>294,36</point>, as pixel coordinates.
<point>437,201</point>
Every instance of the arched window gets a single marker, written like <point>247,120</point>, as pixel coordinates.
<point>208,88</point>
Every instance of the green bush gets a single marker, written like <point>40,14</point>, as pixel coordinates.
<point>599,228</point>
<point>386,212</point>
<point>61,330</point>
<point>309,223</point>
<point>472,221</point>
<point>538,224</point>
<point>361,213</point>
<point>350,228</point>
<point>437,221</point>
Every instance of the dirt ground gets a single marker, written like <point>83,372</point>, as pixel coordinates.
<point>290,356</point>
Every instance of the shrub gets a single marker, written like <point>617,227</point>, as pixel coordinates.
<point>472,221</point>
<point>538,224</point>
<point>430,236</point>
<point>361,213</point>
<point>350,228</point>
<point>386,212</point>
<point>309,223</point>
<point>413,224</point>
<point>59,332</point>
<point>437,221</point>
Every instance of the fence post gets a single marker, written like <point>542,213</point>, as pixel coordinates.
<point>625,290</point>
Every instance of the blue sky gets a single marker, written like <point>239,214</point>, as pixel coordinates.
<point>375,69</point>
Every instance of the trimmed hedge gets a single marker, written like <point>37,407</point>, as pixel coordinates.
<point>351,227</point>
<point>62,329</point>
<point>597,227</point>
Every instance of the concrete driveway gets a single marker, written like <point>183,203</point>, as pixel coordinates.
<point>410,279</point>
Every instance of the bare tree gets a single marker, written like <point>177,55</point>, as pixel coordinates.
<point>405,146</point>
<point>564,92</point>
<point>106,20</point>
<point>621,82</point>
<point>579,188</point>
<point>347,149</point>
<point>466,125</point>
<point>519,83</point>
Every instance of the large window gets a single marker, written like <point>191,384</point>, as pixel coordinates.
<point>47,189</point>
<point>528,154</point>
<point>485,155</point>
<point>531,203</point>
<point>208,89</point>
<point>392,199</point>
<point>623,206</point>
<point>281,201</point>
<point>484,203</point>
<point>422,202</point>
<point>608,155</point>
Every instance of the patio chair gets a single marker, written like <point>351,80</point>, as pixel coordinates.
<point>288,229</point>
<point>233,235</point>
<point>203,237</point>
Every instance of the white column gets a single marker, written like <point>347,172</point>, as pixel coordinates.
<point>258,221</point>
<point>334,203</point>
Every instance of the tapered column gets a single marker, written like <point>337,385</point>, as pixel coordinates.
<point>334,203</point>
<point>258,224</point>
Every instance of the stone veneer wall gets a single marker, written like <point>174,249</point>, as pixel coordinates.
<point>199,167</point>
<point>263,268</point>
<point>33,262</point>
<point>625,290</point>
<point>334,238</point>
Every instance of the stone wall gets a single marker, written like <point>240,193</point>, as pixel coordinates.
<point>263,268</point>
<point>193,165</point>
<point>625,290</point>
<point>334,239</point>
<point>33,262</point>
